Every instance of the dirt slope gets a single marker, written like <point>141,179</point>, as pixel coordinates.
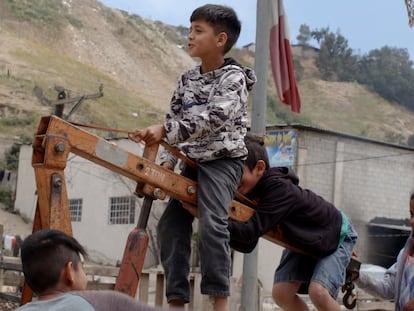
<point>138,61</point>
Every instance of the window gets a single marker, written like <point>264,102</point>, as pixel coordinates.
<point>75,208</point>
<point>122,210</point>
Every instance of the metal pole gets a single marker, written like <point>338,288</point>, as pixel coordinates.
<point>261,65</point>
<point>250,301</point>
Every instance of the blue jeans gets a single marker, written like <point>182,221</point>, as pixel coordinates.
<point>217,181</point>
<point>328,271</point>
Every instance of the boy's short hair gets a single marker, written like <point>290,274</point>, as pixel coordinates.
<point>256,151</point>
<point>44,254</point>
<point>222,19</point>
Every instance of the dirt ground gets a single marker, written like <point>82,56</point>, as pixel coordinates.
<point>13,224</point>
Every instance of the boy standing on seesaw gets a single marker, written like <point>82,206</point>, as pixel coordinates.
<point>207,120</point>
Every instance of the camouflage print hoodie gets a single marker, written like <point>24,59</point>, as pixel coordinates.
<point>207,119</point>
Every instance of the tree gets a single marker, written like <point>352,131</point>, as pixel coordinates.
<point>304,35</point>
<point>335,59</point>
<point>386,71</point>
<point>389,72</point>
<point>319,34</point>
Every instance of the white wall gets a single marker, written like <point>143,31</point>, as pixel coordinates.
<point>26,197</point>
<point>95,185</point>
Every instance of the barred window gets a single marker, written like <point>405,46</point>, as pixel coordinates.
<point>75,208</point>
<point>122,210</point>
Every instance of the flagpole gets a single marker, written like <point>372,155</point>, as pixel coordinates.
<point>261,65</point>
<point>250,301</point>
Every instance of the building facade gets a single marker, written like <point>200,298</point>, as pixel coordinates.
<point>367,179</point>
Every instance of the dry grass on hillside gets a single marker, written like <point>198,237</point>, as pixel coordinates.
<point>138,61</point>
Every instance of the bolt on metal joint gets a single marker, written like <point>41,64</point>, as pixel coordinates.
<point>60,147</point>
<point>191,190</point>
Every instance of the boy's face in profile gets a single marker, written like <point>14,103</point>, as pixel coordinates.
<point>202,41</point>
<point>249,179</point>
<point>79,276</point>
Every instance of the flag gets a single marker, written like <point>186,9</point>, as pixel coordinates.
<point>281,57</point>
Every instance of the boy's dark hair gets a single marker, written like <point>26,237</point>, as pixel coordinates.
<point>412,196</point>
<point>222,19</point>
<point>256,151</point>
<point>44,254</point>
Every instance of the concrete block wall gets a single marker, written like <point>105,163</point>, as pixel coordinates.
<point>366,179</point>
<point>319,164</point>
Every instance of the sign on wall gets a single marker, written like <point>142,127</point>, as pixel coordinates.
<point>280,146</point>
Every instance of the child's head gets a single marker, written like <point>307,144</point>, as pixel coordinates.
<point>221,19</point>
<point>256,164</point>
<point>52,259</point>
<point>256,151</point>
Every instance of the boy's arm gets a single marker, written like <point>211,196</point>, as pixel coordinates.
<point>384,288</point>
<point>274,204</point>
<point>243,231</point>
<point>151,135</point>
<point>168,160</point>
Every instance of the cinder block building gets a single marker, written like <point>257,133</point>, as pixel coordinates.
<point>367,179</point>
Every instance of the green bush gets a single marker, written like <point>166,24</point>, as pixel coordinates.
<point>283,113</point>
<point>12,157</point>
<point>18,121</point>
<point>43,11</point>
<point>7,199</point>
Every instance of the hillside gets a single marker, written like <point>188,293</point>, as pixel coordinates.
<point>137,61</point>
<point>80,44</point>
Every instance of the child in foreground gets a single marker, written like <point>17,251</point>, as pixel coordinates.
<point>52,265</point>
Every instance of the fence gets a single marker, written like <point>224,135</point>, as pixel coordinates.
<point>151,289</point>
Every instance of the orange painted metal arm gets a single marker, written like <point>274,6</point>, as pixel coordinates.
<point>53,142</point>
<point>55,138</point>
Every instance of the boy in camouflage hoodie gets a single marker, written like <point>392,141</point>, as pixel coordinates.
<point>207,120</point>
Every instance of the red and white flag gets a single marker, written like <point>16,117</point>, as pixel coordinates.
<point>281,57</point>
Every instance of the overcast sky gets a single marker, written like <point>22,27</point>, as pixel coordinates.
<point>366,24</point>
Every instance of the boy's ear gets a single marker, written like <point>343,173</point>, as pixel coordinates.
<point>68,273</point>
<point>222,39</point>
<point>260,167</point>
